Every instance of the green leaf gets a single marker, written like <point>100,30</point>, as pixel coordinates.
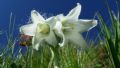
<point>104,28</point>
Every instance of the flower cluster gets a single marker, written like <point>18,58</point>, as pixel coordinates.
<point>66,28</point>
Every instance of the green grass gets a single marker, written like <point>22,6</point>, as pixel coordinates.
<point>106,54</point>
<point>67,57</point>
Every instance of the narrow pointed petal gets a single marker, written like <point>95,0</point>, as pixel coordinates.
<point>85,25</point>
<point>36,17</point>
<point>75,12</point>
<point>28,29</point>
<point>58,30</point>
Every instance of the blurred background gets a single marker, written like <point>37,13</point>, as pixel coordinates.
<point>21,10</point>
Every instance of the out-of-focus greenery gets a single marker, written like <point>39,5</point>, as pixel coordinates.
<point>111,35</point>
<point>106,54</point>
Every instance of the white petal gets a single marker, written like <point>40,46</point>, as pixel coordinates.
<point>42,38</point>
<point>74,13</point>
<point>28,29</point>
<point>51,21</point>
<point>85,25</point>
<point>36,42</point>
<point>58,31</point>
<point>36,17</point>
<point>58,26</point>
<point>76,38</point>
<point>60,17</point>
<point>36,46</point>
<point>63,40</point>
<point>51,39</point>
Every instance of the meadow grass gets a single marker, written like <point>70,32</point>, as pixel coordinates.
<point>104,54</point>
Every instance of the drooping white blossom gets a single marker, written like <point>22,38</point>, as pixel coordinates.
<point>70,27</point>
<point>39,29</point>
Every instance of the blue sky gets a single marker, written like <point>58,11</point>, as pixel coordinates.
<point>21,9</point>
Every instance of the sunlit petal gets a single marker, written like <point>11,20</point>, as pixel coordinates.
<point>51,21</point>
<point>63,40</point>
<point>36,17</point>
<point>28,29</point>
<point>60,17</point>
<point>36,42</point>
<point>51,39</point>
<point>36,46</point>
<point>74,13</point>
<point>59,32</point>
<point>85,25</point>
<point>76,39</point>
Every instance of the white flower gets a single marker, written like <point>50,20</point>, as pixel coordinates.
<point>40,29</point>
<point>70,27</point>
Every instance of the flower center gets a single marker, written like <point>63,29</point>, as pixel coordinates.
<point>43,28</point>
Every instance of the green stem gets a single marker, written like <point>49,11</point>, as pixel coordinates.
<point>52,58</point>
<point>55,50</point>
